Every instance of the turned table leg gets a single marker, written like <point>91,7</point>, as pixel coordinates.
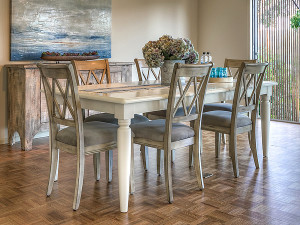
<point>124,157</point>
<point>265,123</point>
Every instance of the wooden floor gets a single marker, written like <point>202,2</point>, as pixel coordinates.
<point>270,195</point>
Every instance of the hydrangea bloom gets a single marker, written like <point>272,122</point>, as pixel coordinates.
<point>168,48</point>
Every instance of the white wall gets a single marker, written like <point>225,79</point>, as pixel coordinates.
<point>224,29</point>
<point>219,26</point>
<point>134,22</point>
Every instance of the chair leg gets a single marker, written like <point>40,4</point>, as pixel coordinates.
<point>233,153</point>
<point>131,183</point>
<point>201,143</point>
<point>198,166</point>
<point>249,137</point>
<point>253,147</point>
<point>168,175</point>
<point>56,173</point>
<point>173,155</point>
<point>223,135</point>
<point>109,165</point>
<point>160,161</point>
<point>191,155</point>
<point>96,161</point>
<point>145,157</point>
<point>53,169</point>
<point>79,181</point>
<point>192,124</point>
<point>217,144</point>
<point>224,139</point>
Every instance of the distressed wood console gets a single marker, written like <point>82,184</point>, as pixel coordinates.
<point>27,109</point>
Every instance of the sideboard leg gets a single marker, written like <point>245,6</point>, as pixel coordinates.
<point>26,142</point>
<point>11,137</point>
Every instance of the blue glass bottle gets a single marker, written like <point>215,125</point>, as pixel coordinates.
<point>213,72</point>
<point>218,72</point>
<point>224,72</point>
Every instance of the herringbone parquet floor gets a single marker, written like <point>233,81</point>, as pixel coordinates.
<point>269,195</point>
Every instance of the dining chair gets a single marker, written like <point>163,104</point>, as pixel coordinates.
<point>170,133</point>
<point>98,72</point>
<point>233,66</point>
<point>95,72</point>
<point>236,121</point>
<point>76,137</point>
<point>146,73</point>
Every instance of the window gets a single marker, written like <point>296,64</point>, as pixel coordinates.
<point>276,42</point>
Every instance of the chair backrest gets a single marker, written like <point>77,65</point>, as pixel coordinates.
<point>248,86</point>
<point>92,72</point>
<point>145,72</point>
<point>61,93</point>
<point>197,76</point>
<point>233,65</point>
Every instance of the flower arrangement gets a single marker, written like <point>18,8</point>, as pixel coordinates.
<point>169,48</point>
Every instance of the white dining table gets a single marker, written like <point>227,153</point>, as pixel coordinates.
<point>126,99</point>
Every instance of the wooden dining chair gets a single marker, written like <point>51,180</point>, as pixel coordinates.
<point>95,72</point>
<point>170,133</point>
<point>246,97</point>
<point>77,138</point>
<point>98,72</point>
<point>146,73</point>
<point>233,66</point>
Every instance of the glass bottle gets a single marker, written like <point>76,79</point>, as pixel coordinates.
<point>202,59</point>
<point>209,58</point>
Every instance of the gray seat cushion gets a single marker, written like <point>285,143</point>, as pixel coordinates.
<point>110,118</point>
<point>223,119</point>
<point>163,113</point>
<point>154,130</point>
<point>95,133</point>
<point>217,106</point>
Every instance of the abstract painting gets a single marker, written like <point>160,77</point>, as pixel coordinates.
<point>74,26</point>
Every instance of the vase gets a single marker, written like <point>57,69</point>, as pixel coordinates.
<point>167,70</point>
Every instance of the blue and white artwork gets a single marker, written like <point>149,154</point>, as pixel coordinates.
<point>74,26</point>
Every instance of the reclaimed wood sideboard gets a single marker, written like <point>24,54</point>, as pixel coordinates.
<point>26,104</point>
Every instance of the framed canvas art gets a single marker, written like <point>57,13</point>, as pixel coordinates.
<point>73,26</point>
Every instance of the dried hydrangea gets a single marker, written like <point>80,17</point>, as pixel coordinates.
<point>168,48</point>
<point>192,58</point>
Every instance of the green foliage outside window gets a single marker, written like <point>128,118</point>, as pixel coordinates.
<point>295,20</point>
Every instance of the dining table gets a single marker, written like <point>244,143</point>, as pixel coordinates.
<point>126,99</point>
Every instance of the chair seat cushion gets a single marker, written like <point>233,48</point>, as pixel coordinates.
<point>223,119</point>
<point>154,130</point>
<point>110,118</point>
<point>180,112</point>
<point>95,133</point>
<point>217,106</point>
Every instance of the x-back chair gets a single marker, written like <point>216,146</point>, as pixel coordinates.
<point>77,138</point>
<point>98,72</point>
<point>146,73</point>
<point>233,66</point>
<point>246,97</point>
<point>170,133</point>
